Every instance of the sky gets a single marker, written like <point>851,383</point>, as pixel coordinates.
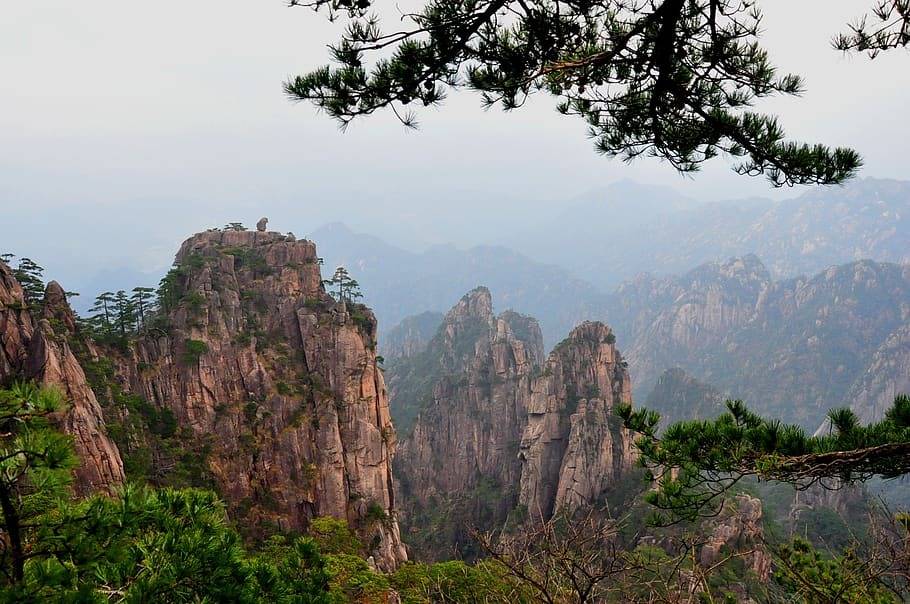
<point>128,126</point>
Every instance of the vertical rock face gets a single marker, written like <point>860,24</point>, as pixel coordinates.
<point>279,381</point>
<point>496,430</point>
<point>573,448</point>
<point>700,310</point>
<point>41,352</point>
<point>469,430</point>
<point>792,349</point>
<point>887,376</point>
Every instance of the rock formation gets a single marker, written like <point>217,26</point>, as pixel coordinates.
<point>492,434</point>
<point>468,387</point>
<point>738,528</point>
<point>573,448</point>
<point>280,384</point>
<point>887,375</point>
<point>411,336</point>
<point>678,396</point>
<point>40,350</point>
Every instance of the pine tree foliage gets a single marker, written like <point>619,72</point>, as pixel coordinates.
<point>674,79</point>
<point>346,288</point>
<point>696,462</point>
<point>31,277</point>
<point>885,28</point>
<point>35,464</point>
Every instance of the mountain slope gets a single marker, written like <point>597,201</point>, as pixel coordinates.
<point>792,349</point>
<point>252,380</point>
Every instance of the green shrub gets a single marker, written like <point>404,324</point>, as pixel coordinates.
<point>334,536</point>
<point>193,350</point>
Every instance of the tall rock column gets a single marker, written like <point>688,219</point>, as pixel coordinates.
<point>573,448</point>
<point>41,351</point>
<point>277,383</point>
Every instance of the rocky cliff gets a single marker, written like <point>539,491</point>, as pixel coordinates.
<point>886,376</point>
<point>38,348</point>
<point>271,385</point>
<point>573,448</point>
<point>492,433</point>
<point>738,528</point>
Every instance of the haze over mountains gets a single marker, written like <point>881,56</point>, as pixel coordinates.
<point>629,230</point>
<point>567,270</point>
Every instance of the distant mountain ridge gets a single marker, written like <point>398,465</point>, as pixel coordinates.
<point>623,233</point>
<point>792,349</point>
<point>398,283</point>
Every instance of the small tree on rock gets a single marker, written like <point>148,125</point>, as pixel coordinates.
<point>345,287</point>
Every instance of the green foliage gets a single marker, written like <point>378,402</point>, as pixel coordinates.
<point>248,258</point>
<point>376,514</point>
<point>116,317</point>
<point>709,456</point>
<point>352,579</point>
<point>676,79</point>
<point>808,575</point>
<point>35,465</point>
<point>192,351</point>
<point>31,277</point>
<point>166,545</point>
<point>333,536</point>
<point>456,582</point>
<point>142,545</point>
<point>346,287</point>
<point>361,318</point>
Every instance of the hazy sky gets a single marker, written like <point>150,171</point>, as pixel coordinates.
<point>161,118</point>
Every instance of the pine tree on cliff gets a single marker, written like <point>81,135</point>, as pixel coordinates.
<point>673,79</point>
<point>102,313</point>
<point>346,287</point>
<point>144,545</point>
<point>125,313</point>
<point>31,277</point>
<point>141,301</point>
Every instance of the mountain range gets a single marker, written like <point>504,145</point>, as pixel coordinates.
<point>568,270</point>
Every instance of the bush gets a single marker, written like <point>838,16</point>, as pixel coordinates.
<point>334,536</point>
<point>193,350</point>
<point>455,582</point>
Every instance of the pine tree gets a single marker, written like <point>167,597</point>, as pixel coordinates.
<point>695,463</point>
<point>31,277</point>
<point>674,79</point>
<point>125,313</point>
<point>141,301</point>
<point>102,312</point>
<point>346,288</point>
<point>35,464</point>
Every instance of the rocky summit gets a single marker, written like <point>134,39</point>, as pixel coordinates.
<point>495,433</point>
<point>250,379</point>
